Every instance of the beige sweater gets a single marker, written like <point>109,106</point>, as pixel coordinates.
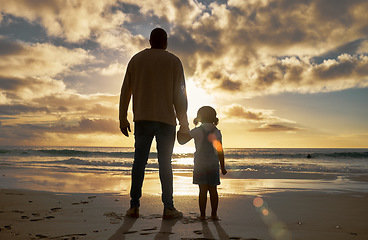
<point>155,79</point>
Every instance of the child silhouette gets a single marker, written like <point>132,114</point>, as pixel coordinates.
<point>208,155</point>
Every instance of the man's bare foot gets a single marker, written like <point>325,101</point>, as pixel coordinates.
<point>215,218</point>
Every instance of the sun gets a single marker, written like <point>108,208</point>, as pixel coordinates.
<point>197,97</point>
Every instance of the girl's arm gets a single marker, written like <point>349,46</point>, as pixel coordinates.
<point>222,162</point>
<point>220,154</point>
<point>183,138</point>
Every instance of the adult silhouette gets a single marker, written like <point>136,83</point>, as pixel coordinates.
<point>155,80</point>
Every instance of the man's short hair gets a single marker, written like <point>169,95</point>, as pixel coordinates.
<point>158,38</point>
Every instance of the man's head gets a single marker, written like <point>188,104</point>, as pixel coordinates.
<point>158,38</point>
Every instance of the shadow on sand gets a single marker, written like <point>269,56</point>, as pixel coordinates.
<point>165,232</point>
<point>207,234</point>
<point>162,234</point>
<point>124,229</point>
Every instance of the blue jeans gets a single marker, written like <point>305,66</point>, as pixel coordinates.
<point>144,132</point>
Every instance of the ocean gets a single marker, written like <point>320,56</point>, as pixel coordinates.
<point>119,160</point>
<point>20,166</point>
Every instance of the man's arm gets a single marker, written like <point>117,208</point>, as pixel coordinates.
<point>180,98</point>
<point>125,95</point>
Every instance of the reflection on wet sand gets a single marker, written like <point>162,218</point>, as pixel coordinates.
<point>44,180</point>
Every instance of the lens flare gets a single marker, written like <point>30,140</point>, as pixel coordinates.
<point>265,212</point>
<point>258,202</point>
<point>216,143</point>
<point>277,228</point>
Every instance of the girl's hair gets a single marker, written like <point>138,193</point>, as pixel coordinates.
<point>206,114</point>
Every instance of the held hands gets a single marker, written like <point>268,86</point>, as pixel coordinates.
<point>223,171</point>
<point>183,138</point>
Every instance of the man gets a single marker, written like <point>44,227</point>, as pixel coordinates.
<point>155,79</point>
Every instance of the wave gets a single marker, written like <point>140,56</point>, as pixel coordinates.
<point>229,153</point>
<point>76,164</point>
<point>83,162</point>
<point>67,153</point>
<point>82,153</point>
<point>295,154</point>
<point>344,155</point>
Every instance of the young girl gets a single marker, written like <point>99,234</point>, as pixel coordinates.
<point>209,153</point>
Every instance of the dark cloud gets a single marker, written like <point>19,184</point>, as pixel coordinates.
<point>349,48</point>
<point>17,109</point>
<point>263,119</point>
<point>237,111</point>
<point>87,126</point>
<point>23,133</point>
<point>339,13</point>
<point>342,68</point>
<point>11,83</point>
<point>99,125</point>
<point>9,48</point>
<point>229,85</point>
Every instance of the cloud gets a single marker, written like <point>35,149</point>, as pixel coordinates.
<point>59,117</point>
<point>97,105</point>
<point>21,109</point>
<point>114,68</point>
<point>242,48</point>
<point>23,89</point>
<point>21,134</point>
<point>74,20</point>
<point>236,111</point>
<point>275,128</point>
<point>268,47</point>
<point>182,12</point>
<point>79,21</point>
<point>97,125</point>
<point>21,59</point>
<point>233,49</point>
<point>260,120</point>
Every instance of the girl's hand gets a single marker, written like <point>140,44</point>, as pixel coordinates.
<point>223,171</point>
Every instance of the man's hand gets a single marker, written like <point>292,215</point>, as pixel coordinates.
<point>184,129</point>
<point>125,130</point>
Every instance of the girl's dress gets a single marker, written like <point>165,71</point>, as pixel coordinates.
<point>206,161</point>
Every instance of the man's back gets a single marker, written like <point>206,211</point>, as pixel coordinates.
<point>156,80</point>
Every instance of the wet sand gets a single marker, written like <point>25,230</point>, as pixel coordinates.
<point>248,209</point>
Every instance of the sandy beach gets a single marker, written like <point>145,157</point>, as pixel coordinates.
<point>279,211</point>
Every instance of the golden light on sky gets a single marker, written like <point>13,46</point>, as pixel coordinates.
<point>279,73</point>
<point>197,98</point>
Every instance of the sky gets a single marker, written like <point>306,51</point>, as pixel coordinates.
<point>280,73</point>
